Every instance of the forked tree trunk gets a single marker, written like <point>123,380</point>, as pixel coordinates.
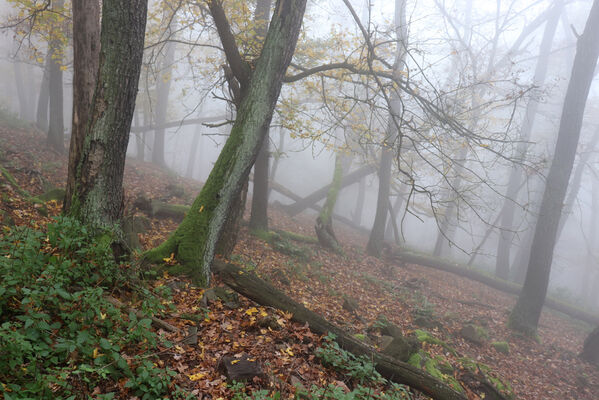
<point>526,313</point>
<point>194,241</point>
<point>98,191</point>
<point>86,51</point>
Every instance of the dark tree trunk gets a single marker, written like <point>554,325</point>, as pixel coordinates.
<point>194,241</point>
<point>259,213</point>
<point>44,97</point>
<point>56,125</point>
<point>590,350</point>
<point>526,313</point>
<point>86,51</point>
<point>506,235</point>
<point>98,192</point>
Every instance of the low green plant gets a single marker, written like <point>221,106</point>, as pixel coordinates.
<point>60,337</point>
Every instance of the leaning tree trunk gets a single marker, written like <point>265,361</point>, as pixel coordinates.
<point>98,191</point>
<point>41,116</point>
<point>194,242</point>
<point>526,313</point>
<point>506,235</point>
<point>259,213</point>
<point>86,51</point>
<point>324,221</point>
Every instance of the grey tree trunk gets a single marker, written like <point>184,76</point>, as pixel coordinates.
<point>86,52</point>
<point>506,235</point>
<point>194,241</point>
<point>193,152</point>
<point>259,213</point>
<point>98,192</point>
<point>377,234</point>
<point>41,117</point>
<point>56,125</point>
<point>526,313</point>
<point>163,87</point>
<point>324,221</point>
<point>357,214</point>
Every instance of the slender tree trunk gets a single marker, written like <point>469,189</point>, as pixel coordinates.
<point>357,214</point>
<point>193,151</point>
<point>526,313</point>
<point>591,259</point>
<point>44,97</point>
<point>21,91</point>
<point>98,192</point>
<point>506,235</point>
<point>163,87</point>
<point>324,221</point>
<point>194,241</point>
<point>86,52</point>
<point>56,125</point>
<point>276,160</point>
<point>259,213</point>
<point>377,234</point>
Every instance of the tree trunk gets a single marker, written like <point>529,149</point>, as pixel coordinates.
<point>163,87</point>
<point>56,124</point>
<point>506,235</point>
<point>259,213</point>
<point>377,234</point>
<point>41,117</point>
<point>590,350</point>
<point>21,91</point>
<point>357,214</point>
<point>526,313</point>
<point>591,259</point>
<point>193,152</point>
<point>98,192</point>
<point>324,221</point>
<point>86,51</point>
<point>194,241</point>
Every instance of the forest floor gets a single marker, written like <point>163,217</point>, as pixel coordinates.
<point>321,280</point>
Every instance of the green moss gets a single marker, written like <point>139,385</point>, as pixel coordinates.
<point>501,347</point>
<point>297,237</point>
<point>327,210</point>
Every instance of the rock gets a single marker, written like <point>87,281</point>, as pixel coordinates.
<point>401,348</point>
<point>240,368</point>
<point>501,347</point>
<point>473,333</point>
<point>350,304</point>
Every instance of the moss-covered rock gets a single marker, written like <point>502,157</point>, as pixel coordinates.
<point>501,347</point>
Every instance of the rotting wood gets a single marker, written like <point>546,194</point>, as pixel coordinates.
<point>254,288</point>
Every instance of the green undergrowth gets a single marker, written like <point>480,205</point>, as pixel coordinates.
<point>60,337</point>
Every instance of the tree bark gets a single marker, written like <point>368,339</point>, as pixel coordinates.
<point>56,124</point>
<point>357,214</point>
<point>86,52</point>
<point>194,241</point>
<point>324,221</point>
<point>506,235</point>
<point>590,350</point>
<point>252,287</point>
<point>98,192</point>
<point>193,152</point>
<point>259,212</point>
<point>526,313</point>
<point>41,117</point>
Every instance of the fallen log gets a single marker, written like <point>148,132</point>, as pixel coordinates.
<point>254,288</point>
<point>308,201</point>
<point>404,256</point>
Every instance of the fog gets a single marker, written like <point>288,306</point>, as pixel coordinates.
<point>476,64</point>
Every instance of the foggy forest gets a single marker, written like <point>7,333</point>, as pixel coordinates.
<point>299,199</point>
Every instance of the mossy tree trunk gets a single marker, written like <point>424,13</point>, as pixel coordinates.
<point>86,51</point>
<point>194,242</point>
<point>324,221</point>
<point>98,193</point>
<point>526,313</point>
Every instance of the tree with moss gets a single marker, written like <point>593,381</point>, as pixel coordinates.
<point>194,242</point>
